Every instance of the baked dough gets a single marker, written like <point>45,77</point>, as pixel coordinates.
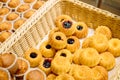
<point>4,11</point>
<point>38,4</point>
<point>5,26</point>
<point>18,23</point>
<point>23,7</point>
<point>29,13</point>
<point>12,16</point>
<point>4,35</point>
<point>13,3</point>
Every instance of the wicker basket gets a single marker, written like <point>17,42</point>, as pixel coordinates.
<point>35,29</point>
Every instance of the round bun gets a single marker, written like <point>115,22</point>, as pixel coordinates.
<point>64,77</point>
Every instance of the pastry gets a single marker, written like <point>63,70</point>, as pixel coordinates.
<point>76,56</point>
<point>61,18</point>
<point>29,13</point>
<point>46,50</point>
<point>89,57</point>
<point>82,72</point>
<point>18,23</point>
<point>60,65</point>
<point>35,74</point>
<point>33,56</point>
<point>4,35</point>
<point>23,7</point>
<point>65,54</point>
<point>13,3</point>
<point>23,66</point>
<point>3,0</point>
<point>99,42</point>
<point>64,77</point>
<point>100,73</point>
<point>1,62</point>
<point>67,27</point>
<point>12,16</point>
<point>51,77</point>
<point>73,43</point>
<point>104,30</point>
<point>45,65</point>
<point>5,26</point>
<point>57,39</point>
<point>86,42</point>
<point>107,60</point>
<point>81,29</point>
<point>1,19</point>
<point>56,29</point>
<point>114,46</point>
<point>4,74</point>
<point>4,11</point>
<point>10,62</point>
<point>28,1</point>
<point>38,4</point>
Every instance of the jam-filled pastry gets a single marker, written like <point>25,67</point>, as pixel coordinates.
<point>13,3</point>
<point>57,39</point>
<point>99,42</point>
<point>82,72</point>
<point>51,76</point>
<point>64,53</point>
<point>23,7</point>
<point>4,35</point>
<point>28,1</point>
<point>38,4</point>
<point>12,16</point>
<point>73,43</point>
<point>89,57</point>
<point>46,50</point>
<point>104,30</point>
<point>64,77</point>
<point>76,56</point>
<point>60,65</point>
<point>18,23</point>
<point>61,18</point>
<point>81,30</point>
<point>33,56</point>
<point>114,46</point>
<point>29,13</point>
<point>4,11</point>
<point>107,60</point>
<point>67,27</point>
<point>3,0</point>
<point>5,26</point>
<point>45,65</point>
<point>100,73</point>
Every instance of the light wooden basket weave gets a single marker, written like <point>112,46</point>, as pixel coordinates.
<point>35,29</point>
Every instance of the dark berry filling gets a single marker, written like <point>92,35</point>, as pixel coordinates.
<point>70,41</point>
<point>79,27</point>
<point>67,24</point>
<point>63,54</point>
<point>58,37</point>
<point>13,30</point>
<point>13,10</point>
<point>47,63</point>
<point>33,55</point>
<point>48,46</point>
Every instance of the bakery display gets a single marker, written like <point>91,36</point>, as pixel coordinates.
<point>33,56</point>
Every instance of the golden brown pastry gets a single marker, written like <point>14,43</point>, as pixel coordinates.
<point>38,4</point>
<point>3,0</point>
<point>13,3</point>
<point>86,42</point>
<point>28,1</point>
<point>64,77</point>
<point>4,11</point>
<point>51,77</point>
<point>4,35</point>
<point>89,57</point>
<point>99,42</point>
<point>12,16</point>
<point>57,39</point>
<point>18,23</point>
<point>1,19</point>
<point>5,26</point>
<point>23,7</point>
<point>29,13</point>
<point>107,60</point>
<point>81,29</point>
<point>1,62</point>
<point>73,43</point>
<point>4,74</point>
<point>46,50</point>
<point>114,46</point>
<point>100,73</point>
<point>104,30</point>
<point>35,74</point>
<point>33,56</point>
